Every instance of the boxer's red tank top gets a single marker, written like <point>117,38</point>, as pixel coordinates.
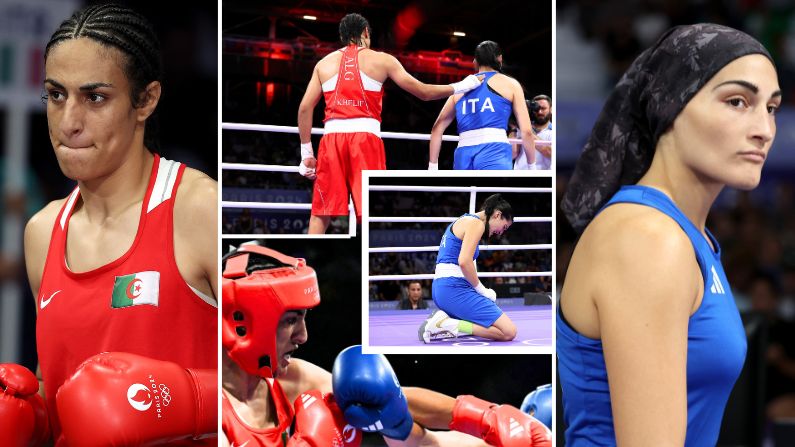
<point>79,317</point>
<point>238,433</point>
<point>349,99</point>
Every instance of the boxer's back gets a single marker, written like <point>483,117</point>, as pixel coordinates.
<point>371,62</point>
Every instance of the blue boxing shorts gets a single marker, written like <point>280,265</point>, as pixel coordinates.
<point>458,298</point>
<point>487,156</point>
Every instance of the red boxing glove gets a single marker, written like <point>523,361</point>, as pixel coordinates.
<point>23,416</point>
<point>121,399</point>
<point>319,423</point>
<point>498,425</point>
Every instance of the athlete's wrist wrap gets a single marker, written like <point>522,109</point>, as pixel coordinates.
<point>307,151</point>
<point>468,83</point>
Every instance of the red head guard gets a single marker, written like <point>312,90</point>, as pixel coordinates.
<point>253,303</point>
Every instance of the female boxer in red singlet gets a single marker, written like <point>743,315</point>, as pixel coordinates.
<point>120,264</point>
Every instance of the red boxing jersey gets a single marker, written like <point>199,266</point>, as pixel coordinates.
<point>347,96</point>
<point>239,433</point>
<point>138,303</point>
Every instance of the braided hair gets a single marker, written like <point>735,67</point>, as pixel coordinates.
<point>351,28</point>
<point>486,54</point>
<point>493,203</point>
<point>119,27</point>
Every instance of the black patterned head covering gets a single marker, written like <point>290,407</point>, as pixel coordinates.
<point>642,106</point>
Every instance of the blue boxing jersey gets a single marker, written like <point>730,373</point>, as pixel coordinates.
<point>450,246</point>
<point>482,108</point>
<point>716,347</point>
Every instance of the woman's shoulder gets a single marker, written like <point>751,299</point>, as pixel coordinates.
<point>44,219</point>
<point>467,224</point>
<point>634,238</point>
<point>639,255</point>
<point>503,79</point>
<point>636,224</point>
<point>194,176</point>
<point>38,233</point>
<point>471,221</point>
<point>196,191</point>
<point>506,78</point>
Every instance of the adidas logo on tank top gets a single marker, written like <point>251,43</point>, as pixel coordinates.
<point>717,287</point>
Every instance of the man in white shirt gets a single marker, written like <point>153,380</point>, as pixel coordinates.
<point>541,119</point>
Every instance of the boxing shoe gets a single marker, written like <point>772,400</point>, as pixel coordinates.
<point>438,326</point>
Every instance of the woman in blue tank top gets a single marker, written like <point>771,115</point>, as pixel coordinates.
<point>482,115</point>
<point>649,339</point>
<point>467,307</point>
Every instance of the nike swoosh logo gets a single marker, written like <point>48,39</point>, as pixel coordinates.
<point>241,445</point>
<point>44,303</point>
<point>439,323</point>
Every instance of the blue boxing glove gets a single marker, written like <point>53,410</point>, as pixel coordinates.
<point>368,392</point>
<point>540,403</point>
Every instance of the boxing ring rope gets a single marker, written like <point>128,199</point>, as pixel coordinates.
<point>436,248</point>
<point>414,188</point>
<point>395,135</point>
<point>277,205</point>
<point>446,219</point>
<point>480,275</point>
<point>383,134</point>
<point>267,205</point>
<point>258,168</point>
<point>472,190</point>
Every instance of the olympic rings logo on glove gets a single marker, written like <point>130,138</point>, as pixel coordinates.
<point>165,395</point>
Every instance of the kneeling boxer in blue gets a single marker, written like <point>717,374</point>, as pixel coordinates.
<point>466,306</point>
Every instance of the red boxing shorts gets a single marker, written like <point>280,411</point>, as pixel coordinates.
<point>340,161</point>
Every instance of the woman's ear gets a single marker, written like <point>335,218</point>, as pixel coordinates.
<point>147,103</point>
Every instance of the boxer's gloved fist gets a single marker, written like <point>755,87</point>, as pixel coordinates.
<point>319,423</point>
<point>468,83</point>
<point>485,291</point>
<point>23,416</point>
<point>498,425</point>
<point>121,399</point>
<point>539,403</point>
<point>41,432</point>
<point>368,392</point>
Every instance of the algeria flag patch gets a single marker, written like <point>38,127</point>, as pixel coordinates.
<point>136,289</point>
